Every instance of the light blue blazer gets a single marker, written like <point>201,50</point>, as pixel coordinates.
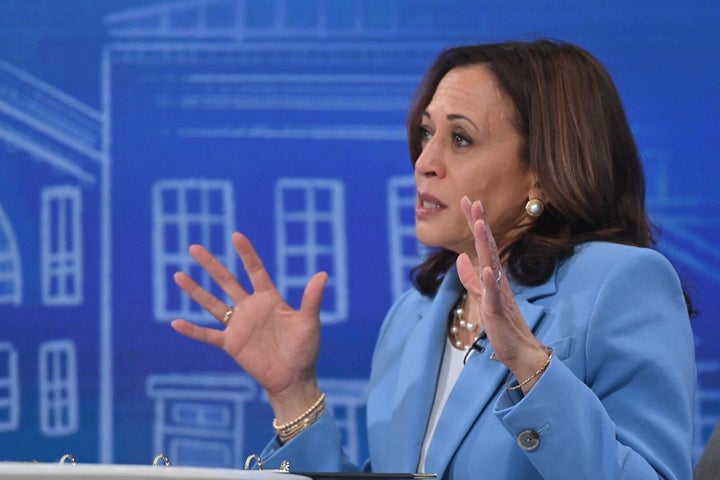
<point>616,402</point>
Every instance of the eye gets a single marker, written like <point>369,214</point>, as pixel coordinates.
<point>425,134</point>
<point>461,140</point>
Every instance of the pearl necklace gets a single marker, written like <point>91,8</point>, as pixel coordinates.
<point>458,323</point>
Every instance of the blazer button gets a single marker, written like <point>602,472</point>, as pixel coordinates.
<point>528,440</point>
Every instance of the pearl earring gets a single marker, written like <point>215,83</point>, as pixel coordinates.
<point>534,207</point>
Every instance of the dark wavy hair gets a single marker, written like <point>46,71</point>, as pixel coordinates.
<point>576,139</point>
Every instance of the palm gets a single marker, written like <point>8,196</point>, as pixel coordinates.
<point>275,344</point>
<point>271,341</point>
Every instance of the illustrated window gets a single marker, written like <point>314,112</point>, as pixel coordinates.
<point>58,382</point>
<point>310,234</point>
<point>187,212</point>
<point>9,388</point>
<point>10,271</point>
<point>61,246</point>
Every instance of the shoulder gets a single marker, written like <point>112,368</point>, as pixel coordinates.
<point>606,277</point>
<point>605,259</point>
<point>608,251</point>
<point>620,284</point>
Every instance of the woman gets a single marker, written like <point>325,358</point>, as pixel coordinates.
<point>545,338</point>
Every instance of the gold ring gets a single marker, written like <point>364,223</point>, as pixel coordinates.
<point>228,314</point>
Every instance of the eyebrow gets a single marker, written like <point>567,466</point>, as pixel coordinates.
<point>457,116</point>
<point>453,116</point>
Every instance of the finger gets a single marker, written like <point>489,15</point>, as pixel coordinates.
<point>483,246</point>
<point>477,210</point>
<point>493,251</point>
<point>205,299</point>
<point>312,298</point>
<point>205,335</point>
<point>466,208</point>
<point>254,267</point>
<point>492,292</point>
<point>474,212</point>
<point>218,272</point>
<point>469,276</point>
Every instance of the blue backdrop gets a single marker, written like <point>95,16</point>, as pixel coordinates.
<point>130,129</point>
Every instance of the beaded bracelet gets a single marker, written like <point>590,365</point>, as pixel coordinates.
<point>537,372</point>
<point>287,431</point>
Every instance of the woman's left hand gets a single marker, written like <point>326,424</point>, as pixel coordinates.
<point>512,340</point>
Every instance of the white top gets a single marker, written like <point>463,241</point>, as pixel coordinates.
<point>450,368</point>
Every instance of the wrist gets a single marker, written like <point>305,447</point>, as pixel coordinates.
<point>524,361</point>
<point>532,370</point>
<point>289,430</point>
<point>292,402</point>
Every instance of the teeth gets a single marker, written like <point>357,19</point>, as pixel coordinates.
<point>428,204</point>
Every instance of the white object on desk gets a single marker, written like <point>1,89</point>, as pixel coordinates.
<point>53,471</point>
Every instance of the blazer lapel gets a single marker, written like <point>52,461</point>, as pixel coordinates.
<point>477,385</point>
<point>419,367</point>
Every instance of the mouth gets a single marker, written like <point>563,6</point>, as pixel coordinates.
<point>427,205</point>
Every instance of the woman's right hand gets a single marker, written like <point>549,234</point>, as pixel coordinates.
<point>275,344</point>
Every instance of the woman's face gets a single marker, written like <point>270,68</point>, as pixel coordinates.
<point>469,147</point>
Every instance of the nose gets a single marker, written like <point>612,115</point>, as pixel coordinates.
<point>430,163</point>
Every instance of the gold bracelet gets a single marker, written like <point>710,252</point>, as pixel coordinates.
<point>537,372</point>
<point>288,430</point>
<point>287,435</point>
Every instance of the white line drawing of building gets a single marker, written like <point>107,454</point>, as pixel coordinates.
<point>310,233</point>
<point>53,148</point>
<point>199,419</point>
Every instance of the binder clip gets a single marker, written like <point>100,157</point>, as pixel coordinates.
<point>162,457</point>
<point>67,457</point>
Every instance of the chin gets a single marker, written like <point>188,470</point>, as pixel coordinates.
<point>437,242</point>
<point>424,235</point>
<point>430,241</point>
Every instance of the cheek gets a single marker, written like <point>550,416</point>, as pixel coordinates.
<point>477,186</point>
<point>503,199</point>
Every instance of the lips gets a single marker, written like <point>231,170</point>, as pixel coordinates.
<point>427,205</point>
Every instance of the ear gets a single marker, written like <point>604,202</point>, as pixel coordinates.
<point>536,191</point>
